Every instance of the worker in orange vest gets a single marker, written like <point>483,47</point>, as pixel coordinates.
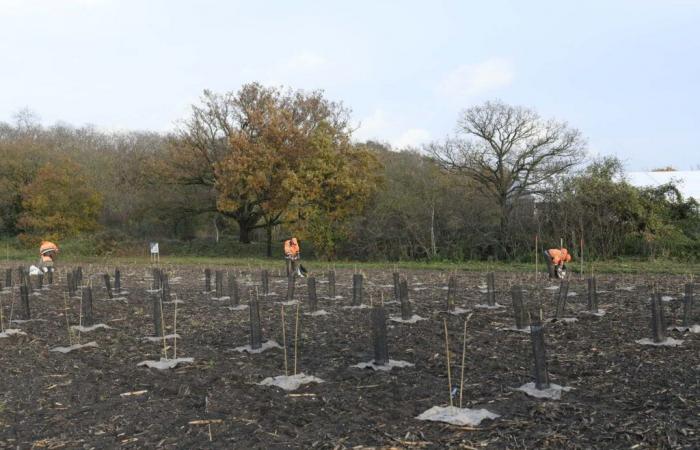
<point>556,259</point>
<point>48,252</point>
<point>292,253</point>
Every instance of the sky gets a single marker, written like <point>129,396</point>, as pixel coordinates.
<point>624,72</point>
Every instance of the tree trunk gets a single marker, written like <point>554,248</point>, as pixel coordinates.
<point>268,228</point>
<point>433,245</point>
<point>244,231</point>
<point>503,232</point>
<point>247,218</point>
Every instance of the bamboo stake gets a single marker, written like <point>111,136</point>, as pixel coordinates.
<point>65,313</point>
<point>12,308</point>
<point>284,344</point>
<point>175,330</point>
<point>296,339</point>
<point>447,357</point>
<point>464,351</point>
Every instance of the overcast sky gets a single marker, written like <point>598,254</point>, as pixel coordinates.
<point>626,73</point>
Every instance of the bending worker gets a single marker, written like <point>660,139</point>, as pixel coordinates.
<point>292,253</point>
<point>556,258</point>
<point>48,251</point>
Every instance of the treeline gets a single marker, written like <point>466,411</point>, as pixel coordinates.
<point>259,164</point>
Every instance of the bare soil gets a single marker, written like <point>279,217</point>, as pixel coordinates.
<point>624,395</point>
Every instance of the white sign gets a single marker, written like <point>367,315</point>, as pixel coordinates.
<point>154,248</point>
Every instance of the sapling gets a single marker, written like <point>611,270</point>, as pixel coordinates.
<point>24,297</point>
<point>396,278</point>
<point>331,284</point>
<point>255,326</point>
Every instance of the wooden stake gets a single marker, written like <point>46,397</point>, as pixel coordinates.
<point>464,351</point>
<point>447,357</point>
<point>65,313</point>
<point>296,339</point>
<point>80,313</point>
<point>162,326</point>
<point>284,344</point>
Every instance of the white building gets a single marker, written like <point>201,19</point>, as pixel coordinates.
<point>687,181</point>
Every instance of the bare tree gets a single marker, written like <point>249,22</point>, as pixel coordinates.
<point>509,152</point>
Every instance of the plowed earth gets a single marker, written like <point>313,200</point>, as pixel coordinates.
<point>624,395</point>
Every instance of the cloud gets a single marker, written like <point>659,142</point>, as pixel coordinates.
<point>413,137</point>
<point>379,126</point>
<point>374,126</point>
<point>305,68</point>
<point>469,80</point>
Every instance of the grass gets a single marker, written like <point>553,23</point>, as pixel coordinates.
<point>618,266</point>
<point>621,266</point>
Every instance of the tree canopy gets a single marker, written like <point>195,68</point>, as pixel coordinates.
<point>263,163</point>
<point>59,202</point>
<point>262,152</point>
<point>509,152</point>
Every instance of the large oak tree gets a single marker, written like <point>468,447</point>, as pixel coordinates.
<point>509,152</point>
<point>250,148</point>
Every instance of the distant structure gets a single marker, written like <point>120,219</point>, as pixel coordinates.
<point>687,181</point>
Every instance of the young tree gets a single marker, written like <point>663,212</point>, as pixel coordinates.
<point>509,152</point>
<point>59,202</point>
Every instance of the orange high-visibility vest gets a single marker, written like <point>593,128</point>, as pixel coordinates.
<point>559,255</point>
<point>291,247</point>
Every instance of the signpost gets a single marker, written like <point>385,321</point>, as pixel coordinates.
<point>155,252</point>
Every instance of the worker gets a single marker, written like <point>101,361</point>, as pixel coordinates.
<point>292,253</point>
<point>48,252</point>
<point>556,258</point>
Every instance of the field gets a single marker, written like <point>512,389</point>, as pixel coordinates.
<point>624,395</point>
